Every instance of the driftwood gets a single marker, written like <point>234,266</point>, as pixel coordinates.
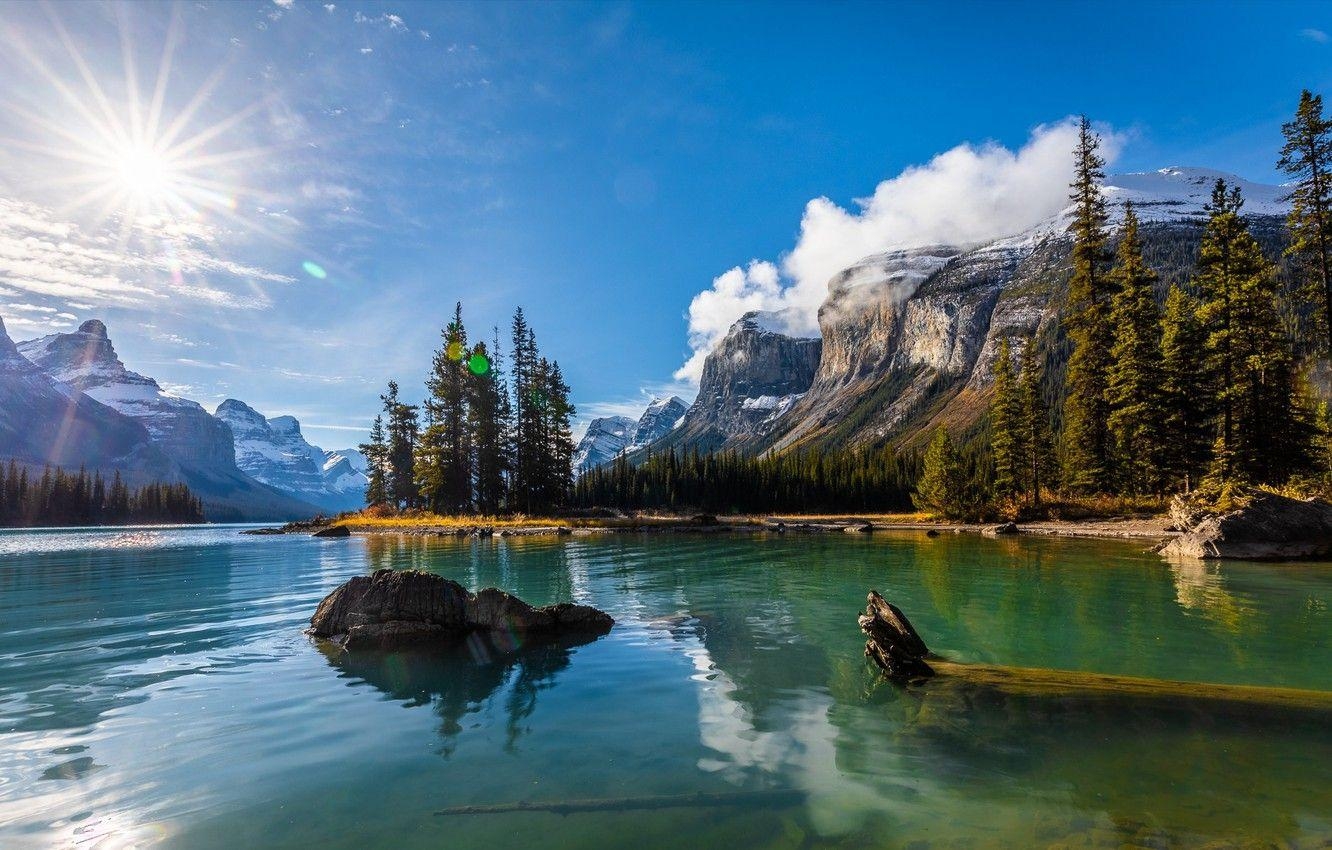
<point>766,799</point>
<point>901,654</point>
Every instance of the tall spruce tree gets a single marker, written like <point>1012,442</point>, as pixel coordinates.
<point>1186,393</point>
<point>1307,157</point>
<point>1133,384</point>
<point>1264,434</point>
<point>1007,435</point>
<point>1038,445</point>
<point>559,435</point>
<point>487,422</point>
<point>525,398</point>
<point>444,452</point>
<point>376,463</point>
<point>1086,442</point>
<point>402,426</point>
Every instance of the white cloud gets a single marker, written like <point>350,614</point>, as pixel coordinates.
<point>1314,35</point>
<point>32,308</point>
<point>153,260</point>
<point>284,4</point>
<point>964,196</point>
<point>366,51</point>
<point>329,7</point>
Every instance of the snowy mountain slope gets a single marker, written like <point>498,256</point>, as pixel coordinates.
<point>182,442</point>
<point>274,451</point>
<point>605,439</point>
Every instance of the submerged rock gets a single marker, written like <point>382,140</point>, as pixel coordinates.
<point>1270,527</point>
<point>333,531</point>
<point>395,608</point>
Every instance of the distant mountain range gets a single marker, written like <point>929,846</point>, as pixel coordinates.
<point>608,437</point>
<point>67,399</point>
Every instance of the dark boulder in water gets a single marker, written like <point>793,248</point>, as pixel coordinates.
<point>392,608</point>
<point>333,531</point>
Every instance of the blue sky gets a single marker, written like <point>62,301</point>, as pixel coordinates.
<point>598,164</point>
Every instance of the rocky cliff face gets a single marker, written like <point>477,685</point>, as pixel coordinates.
<point>275,452</point>
<point>605,439</point>
<point>909,337</point>
<point>662,416</point>
<point>87,361</point>
<point>754,376</point>
<point>44,421</point>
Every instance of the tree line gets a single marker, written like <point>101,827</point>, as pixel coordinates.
<point>485,439</point>
<point>729,482</point>
<point>1205,389</point>
<point>60,498</point>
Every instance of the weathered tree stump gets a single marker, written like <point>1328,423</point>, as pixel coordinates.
<point>893,644</point>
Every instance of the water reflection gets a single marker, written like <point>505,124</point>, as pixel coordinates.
<point>1200,586</point>
<point>458,678</point>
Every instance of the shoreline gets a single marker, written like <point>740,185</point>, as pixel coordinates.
<point>1125,528</point>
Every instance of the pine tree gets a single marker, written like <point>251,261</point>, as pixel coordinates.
<point>1265,434</point>
<point>524,413</point>
<point>1133,384</point>
<point>1007,436</point>
<point>1035,422</point>
<point>1185,393</point>
<point>1086,437</point>
<point>376,461</point>
<point>402,428</point>
<point>444,451</point>
<point>559,436</point>
<point>1307,157</point>
<point>943,480</point>
<point>486,421</point>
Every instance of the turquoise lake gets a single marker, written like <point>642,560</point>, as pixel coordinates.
<point>157,690</point>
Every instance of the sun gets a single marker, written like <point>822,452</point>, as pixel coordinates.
<point>145,174</point>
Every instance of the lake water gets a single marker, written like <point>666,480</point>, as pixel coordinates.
<point>156,689</point>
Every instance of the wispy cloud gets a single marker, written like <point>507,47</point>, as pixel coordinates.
<point>1314,35</point>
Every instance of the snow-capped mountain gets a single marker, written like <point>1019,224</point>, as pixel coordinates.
<point>611,436</point>
<point>183,442</point>
<point>87,361</point>
<point>45,421</point>
<point>606,438</point>
<point>274,451</point>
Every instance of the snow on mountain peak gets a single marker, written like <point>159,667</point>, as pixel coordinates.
<point>1182,192</point>
<point>778,322</point>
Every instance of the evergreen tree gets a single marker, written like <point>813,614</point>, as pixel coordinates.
<point>1307,157</point>
<point>1133,384</point>
<point>444,451</point>
<point>1186,430</point>
<point>525,398</point>
<point>402,428</point>
<point>376,461</point>
<point>1007,435</point>
<point>487,422</point>
<point>943,482</point>
<point>1265,434</point>
<point>559,438</point>
<point>1086,438</point>
<point>1038,444</point>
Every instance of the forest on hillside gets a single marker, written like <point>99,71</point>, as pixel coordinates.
<point>61,498</point>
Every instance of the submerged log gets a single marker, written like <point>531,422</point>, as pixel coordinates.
<point>764,799</point>
<point>900,653</point>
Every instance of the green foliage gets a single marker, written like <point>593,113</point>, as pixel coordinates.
<point>443,457</point>
<point>1007,435</point>
<point>1086,443</point>
<point>1133,384</point>
<point>1034,420</point>
<point>1186,406</point>
<point>61,498</point>
<point>376,460</point>
<point>1264,432</point>
<point>1307,157</point>
<point>945,489</point>
<point>727,482</point>
<point>400,450</point>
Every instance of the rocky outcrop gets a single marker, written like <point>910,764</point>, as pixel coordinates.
<point>606,437</point>
<point>396,608</point>
<point>1269,527</point>
<point>662,416</point>
<point>44,421</point>
<point>274,451</point>
<point>753,377</point>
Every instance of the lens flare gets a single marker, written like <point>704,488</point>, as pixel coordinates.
<point>479,364</point>
<point>314,270</point>
<point>454,351</point>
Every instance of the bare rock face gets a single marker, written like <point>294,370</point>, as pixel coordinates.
<point>1270,527</point>
<point>393,608</point>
